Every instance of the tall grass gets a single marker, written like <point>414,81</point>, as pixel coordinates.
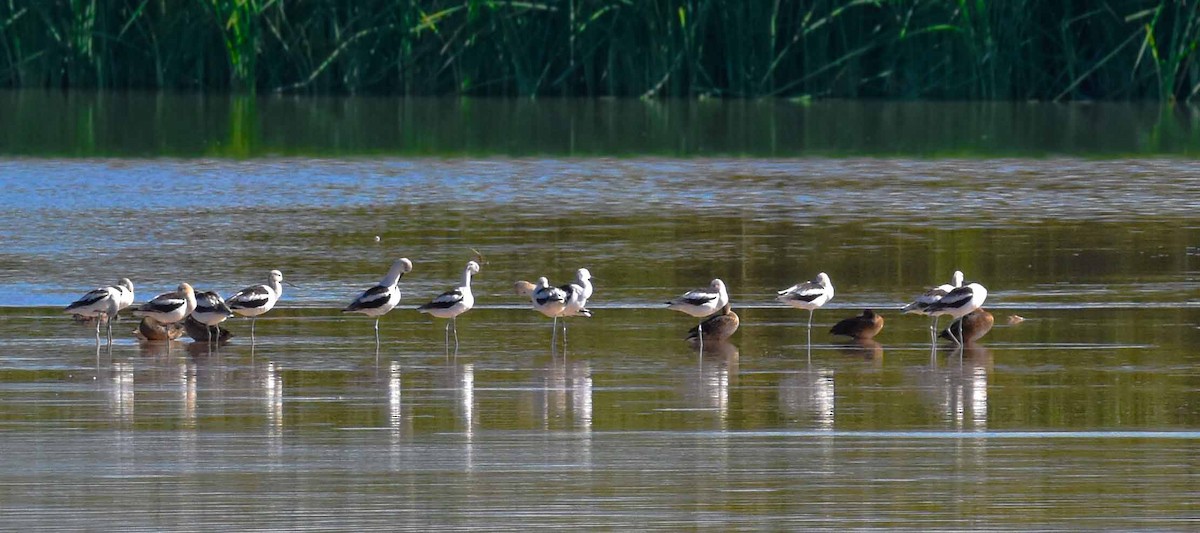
<point>964,49</point>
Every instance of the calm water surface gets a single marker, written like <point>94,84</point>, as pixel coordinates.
<point>1084,416</point>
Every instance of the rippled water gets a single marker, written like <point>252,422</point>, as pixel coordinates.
<point>1084,416</point>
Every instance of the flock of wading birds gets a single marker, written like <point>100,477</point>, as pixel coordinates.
<point>200,313</point>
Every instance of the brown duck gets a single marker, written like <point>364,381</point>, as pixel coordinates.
<point>864,326</point>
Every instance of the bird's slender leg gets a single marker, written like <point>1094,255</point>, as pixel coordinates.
<point>454,326</point>
<point>376,333</point>
<point>700,331</point>
<point>962,343</point>
<point>810,314</point>
<point>254,318</point>
<point>554,335</point>
<point>97,330</point>
<point>447,339</point>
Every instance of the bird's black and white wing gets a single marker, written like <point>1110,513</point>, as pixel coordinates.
<point>958,298</point>
<point>250,298</point>
<point>164,303</point>
<point>698,297</point>
<point>550,294</point>
<point>211,302</point>
<point>373,298</point>
<point>927,299</point>
<point>808,291</point>
<point>444,300</point>
<point>92,298</point>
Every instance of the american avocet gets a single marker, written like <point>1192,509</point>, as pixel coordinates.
<point>974,326</point>
<point>102,304</point>
<point>257,299</point>
<point>716,328</point>
<point>170,307</point>
<point>701,303</point>
<point>922,303</point>
<point>378,300</point>
<point>548,300</point>
<point>578,293</point>
<point>210,311</point>
<point>958,303</point>
<point>864,326</point>
<point>808,295</point>
<point>453,302</point>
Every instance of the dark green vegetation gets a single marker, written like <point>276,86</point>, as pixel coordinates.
<point>1120,49</point>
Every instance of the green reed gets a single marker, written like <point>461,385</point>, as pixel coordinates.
<point>964,49</point>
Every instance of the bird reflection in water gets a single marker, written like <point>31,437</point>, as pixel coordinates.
<point>718,372</point>
<point>867,349</point>
<point>809,393</point>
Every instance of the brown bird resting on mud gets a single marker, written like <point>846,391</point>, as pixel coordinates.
<point>150,330</point>
<point>864,326</point>
<point>718,327</point>
<point>975,325</point>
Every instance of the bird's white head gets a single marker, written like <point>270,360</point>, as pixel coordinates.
<point>957,279</point>
<point>125,282</point>
<point>186,289</point>
<point>824,279</point>
<point>402,265</point>
<point>717,285</point>
<point>472,267</point>
<point>542,283</point>
<point>275,276</point>
<point>583,274</point>
<point>979,293</point>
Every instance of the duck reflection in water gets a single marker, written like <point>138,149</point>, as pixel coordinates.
<point>867,349</point>
<point>975,325</point>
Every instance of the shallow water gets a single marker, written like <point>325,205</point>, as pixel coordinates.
<point>1084,416</point>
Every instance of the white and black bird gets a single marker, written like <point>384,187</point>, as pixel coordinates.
<point>548,299</point>
<point>257,299</point>
<point>378,300</point>
<point>125,288</point>
<point>958,303</point>
<point>701,303</point>
<point>921,305</point>
<point>210,311</point>
<point>578,292</point>
<point>170,307</point>
<point>453,302</point>
<point>103,304</point>
<point>552,301</point>
<point>809,295</point>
